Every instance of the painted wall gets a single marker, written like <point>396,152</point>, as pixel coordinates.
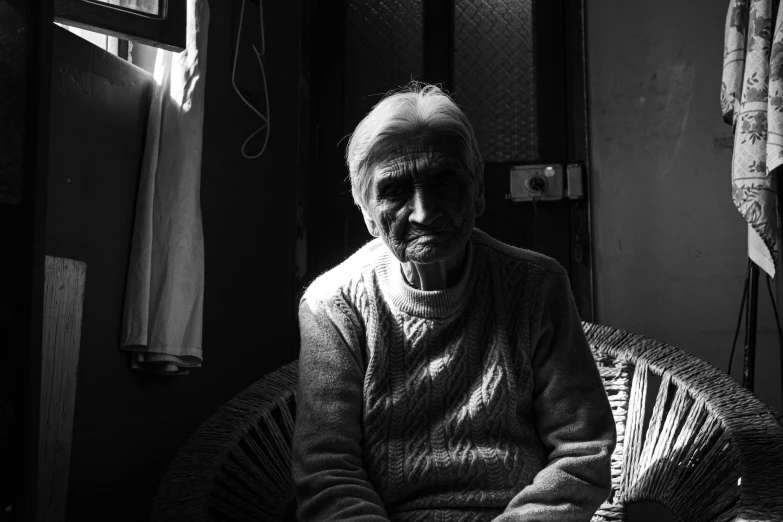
<point>670,256</point>
<point>128,426</point>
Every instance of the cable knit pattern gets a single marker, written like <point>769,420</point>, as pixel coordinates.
<point>445,425</point>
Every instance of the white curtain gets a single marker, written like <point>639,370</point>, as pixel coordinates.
<point>164,296</point>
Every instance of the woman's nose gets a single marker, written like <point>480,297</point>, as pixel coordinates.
<point>424,207</point>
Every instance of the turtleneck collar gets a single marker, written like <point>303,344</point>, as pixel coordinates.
<point>433,304</point>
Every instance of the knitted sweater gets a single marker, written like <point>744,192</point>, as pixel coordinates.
<point>478,402</point>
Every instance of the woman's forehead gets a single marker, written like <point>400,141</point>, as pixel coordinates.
<point>421,155</point>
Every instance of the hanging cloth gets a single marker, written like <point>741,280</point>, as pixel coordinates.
<point>164,296</point>
<point>752,101</point>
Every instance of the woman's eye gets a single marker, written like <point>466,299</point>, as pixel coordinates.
<point>447,180</point>
<point>392,193</point>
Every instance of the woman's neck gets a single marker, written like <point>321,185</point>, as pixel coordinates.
<point>435,276</point>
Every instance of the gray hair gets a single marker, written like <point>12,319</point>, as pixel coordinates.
<point>415,109</point>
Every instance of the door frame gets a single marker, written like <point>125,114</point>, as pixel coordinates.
<point>40,17</point>
<point>581,240</point>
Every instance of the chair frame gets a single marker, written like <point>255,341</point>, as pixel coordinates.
<point>709,450</point>
<point>723,442</point>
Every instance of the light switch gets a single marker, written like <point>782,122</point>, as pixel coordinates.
<point>536,182</point>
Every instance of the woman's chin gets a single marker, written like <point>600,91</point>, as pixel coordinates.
<point>429,253</point>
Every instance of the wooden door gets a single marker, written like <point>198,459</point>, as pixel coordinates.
<point>515,66</point>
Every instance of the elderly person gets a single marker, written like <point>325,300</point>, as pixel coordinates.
<point>443,374</point>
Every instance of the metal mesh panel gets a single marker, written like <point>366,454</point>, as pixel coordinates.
<point>495,76</point>
<point>384,42</point>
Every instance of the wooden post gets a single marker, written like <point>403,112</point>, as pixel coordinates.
<point>778,296</point>
<point>62,325</point>
<point>38,17</point>
<point>439,42</point>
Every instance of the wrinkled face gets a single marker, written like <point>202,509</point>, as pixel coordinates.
<point>422,200</point>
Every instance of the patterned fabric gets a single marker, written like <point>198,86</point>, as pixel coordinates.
<point>752,101</point>
<point>446,405</point>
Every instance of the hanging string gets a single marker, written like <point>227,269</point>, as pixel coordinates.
<point>259,55</point>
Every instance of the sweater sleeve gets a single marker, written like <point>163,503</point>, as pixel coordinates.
<point>327,466</point>
<point>572,415</point>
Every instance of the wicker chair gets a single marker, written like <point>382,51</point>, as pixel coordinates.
<point>702,446</point>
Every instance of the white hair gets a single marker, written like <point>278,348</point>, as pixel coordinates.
<point>416,109</point>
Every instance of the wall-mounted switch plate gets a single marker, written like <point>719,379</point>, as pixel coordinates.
<point>536,182</point>
<point>574,181</point>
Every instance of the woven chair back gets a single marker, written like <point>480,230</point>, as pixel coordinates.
<point>689,437</point>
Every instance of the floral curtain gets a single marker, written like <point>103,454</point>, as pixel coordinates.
<point>752,101</point>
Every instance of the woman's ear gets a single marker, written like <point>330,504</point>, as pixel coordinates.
<point>478,199</point>
<point>372,226</point>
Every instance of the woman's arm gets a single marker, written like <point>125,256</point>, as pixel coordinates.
<point>328,470</point>
<point>572,415</point>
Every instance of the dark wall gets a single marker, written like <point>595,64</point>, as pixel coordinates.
<point>15,19</point>
<point>670,247</point>
<point>128,426</point>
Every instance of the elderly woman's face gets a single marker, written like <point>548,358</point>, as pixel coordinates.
<point>421,200</point>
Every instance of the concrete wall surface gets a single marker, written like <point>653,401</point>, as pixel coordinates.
<point>670,247</point>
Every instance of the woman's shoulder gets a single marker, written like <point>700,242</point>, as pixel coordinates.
<point>527,259</point>
<point>336,281</point>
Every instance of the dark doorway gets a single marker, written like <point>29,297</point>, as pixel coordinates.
<point>515,67</point>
